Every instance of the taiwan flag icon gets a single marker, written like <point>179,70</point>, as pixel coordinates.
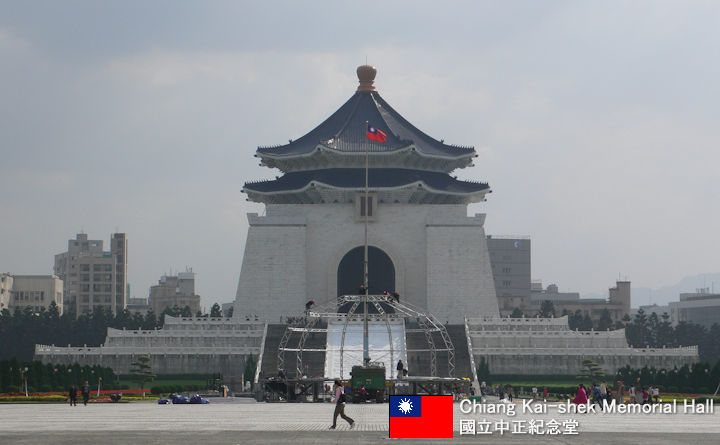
<point>421,417</point>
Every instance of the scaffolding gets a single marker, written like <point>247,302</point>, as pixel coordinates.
<point>381,309</point>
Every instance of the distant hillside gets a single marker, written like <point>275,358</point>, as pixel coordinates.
<point>666,294</point>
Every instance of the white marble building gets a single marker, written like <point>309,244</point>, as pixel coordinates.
<point>309,246</point>
<point>424,245</point>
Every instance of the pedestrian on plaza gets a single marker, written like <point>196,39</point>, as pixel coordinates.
<point>596,393</point>
<point>400,368</point>
<point>73,395</point>
<point>364,395</point>
<point>581,396</point>
<point>656,394</point>
<point>339,401</point>
<point>620,393</point>
<point>545,393</point>
<point>86,392</point>
<point>361,290</point>
<point>603,390</point>
<point>639,395</point>
<point>396,296</point>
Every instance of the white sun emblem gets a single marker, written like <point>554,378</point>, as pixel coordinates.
<point>405,406</point>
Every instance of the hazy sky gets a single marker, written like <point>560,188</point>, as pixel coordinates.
<point>596,123</point>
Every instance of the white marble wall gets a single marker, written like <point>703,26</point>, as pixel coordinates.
<point>459,275</point>
<point>292,255</point>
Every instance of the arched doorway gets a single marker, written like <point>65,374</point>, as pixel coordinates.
<point>381,271</point>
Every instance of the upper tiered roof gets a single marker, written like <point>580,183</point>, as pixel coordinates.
<point>328,164</point>
<point>341,139</point>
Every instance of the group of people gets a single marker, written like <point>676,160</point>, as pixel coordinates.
<point>644,395</point>
<point>394,295</point>
<point>84,390</point>
<point>603,392</point>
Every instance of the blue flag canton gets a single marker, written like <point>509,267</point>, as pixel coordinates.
<point>405,406</point>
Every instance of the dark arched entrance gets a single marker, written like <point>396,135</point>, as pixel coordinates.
<point>381,272</point>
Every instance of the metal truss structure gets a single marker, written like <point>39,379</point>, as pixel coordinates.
<point>382,309</point>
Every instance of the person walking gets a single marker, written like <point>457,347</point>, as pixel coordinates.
<point>581,396</point>
<point>86,393</point>
<point>73,396</point>
<point>400,367</point>
<point>620,392</point>
<point>339,401</point>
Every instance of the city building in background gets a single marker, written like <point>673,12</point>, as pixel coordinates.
<point>138,305</point>
<point>701,307</point>
<point>6,281</point>
<point>649,309</point>
<point>174,290</point>
<point>617,305</point>
<point>93,277</point>
<point>510,262</point>
<point>37,292</point>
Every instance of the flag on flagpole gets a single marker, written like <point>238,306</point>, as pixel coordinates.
<point>421,417</point>
<point>376,135</point>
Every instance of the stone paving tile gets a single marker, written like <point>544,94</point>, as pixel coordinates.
<point>306,421</point>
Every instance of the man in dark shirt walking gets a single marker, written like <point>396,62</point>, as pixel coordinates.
<point>73,396</point>
<point>86,393</point>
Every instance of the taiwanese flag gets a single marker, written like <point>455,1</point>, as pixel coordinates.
<point>421,417</point>
<point>375,135</point>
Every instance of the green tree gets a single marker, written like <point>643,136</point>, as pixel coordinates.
<point>590,370</point>
<point>586,324</point>
<point>215,311</point>
<point>141,371</point>
<point>483,371</point>
<point>575,320</point>
<point>547,309</point>
<point>516,313</point>
<point>605,321</point>
<point>665,333</point>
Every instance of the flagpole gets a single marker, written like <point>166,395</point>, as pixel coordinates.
<point>366,346</point>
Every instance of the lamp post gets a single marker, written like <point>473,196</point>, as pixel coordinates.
<point>25,379</point>
<point>99,385</point>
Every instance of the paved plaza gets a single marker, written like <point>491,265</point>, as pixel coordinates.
<point>233,421</point>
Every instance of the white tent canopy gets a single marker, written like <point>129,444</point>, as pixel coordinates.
<point>386,344</point>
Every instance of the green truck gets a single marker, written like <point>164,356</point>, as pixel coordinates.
<point>372,378</point>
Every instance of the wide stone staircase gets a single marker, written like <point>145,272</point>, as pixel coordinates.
<point>270,352</point>
<point>313,362</point>
<point>419,362</point>
<point>462,356</point>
